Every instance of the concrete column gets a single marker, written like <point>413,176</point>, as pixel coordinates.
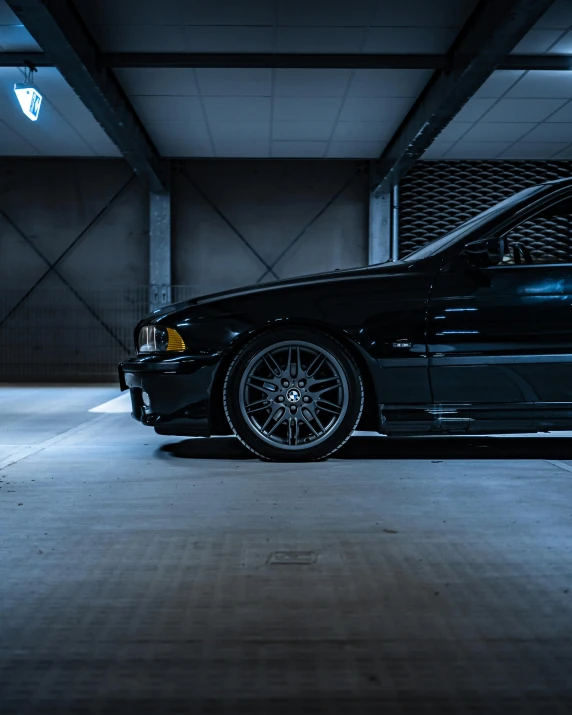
<point>379,228</point>
<point>395,224</point>
<point>159,250</point>
<point>383,221</point>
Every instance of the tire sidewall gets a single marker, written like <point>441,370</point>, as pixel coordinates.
<point>245,433</point>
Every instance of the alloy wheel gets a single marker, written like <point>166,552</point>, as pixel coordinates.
<point>293,394</point>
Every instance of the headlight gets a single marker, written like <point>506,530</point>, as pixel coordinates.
<point>156,339</point>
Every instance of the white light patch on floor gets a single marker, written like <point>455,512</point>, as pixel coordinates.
<point>118,404</point>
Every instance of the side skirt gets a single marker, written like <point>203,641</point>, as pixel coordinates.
<point>466,418</point>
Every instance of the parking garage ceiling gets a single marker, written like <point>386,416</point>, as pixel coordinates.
<point>293,112</point>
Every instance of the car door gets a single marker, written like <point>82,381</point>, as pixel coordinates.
<point>500,345</point>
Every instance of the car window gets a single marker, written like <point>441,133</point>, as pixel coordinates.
<point>547,236</point>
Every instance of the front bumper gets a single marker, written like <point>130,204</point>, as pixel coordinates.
<point>171,394</point>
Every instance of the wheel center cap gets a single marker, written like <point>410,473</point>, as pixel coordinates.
<point>293,395</point>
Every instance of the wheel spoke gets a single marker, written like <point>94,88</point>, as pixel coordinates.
<point>309,424</point>
<point>293,366</point>
<point>272,365</point>
<point>273,416</point>
<point>278,423</point>
<point>268,386</point>
<point>312,410</point>
<point>256,406</point>
<point>293,431</point>
<point>315,365</point>
<point>328,406</point>
<point>328,383</point>
<point>289,361</point>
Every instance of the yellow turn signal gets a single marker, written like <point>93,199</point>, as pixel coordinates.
<point>176,342</point>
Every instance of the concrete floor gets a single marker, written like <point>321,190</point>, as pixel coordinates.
<point>145,575</point>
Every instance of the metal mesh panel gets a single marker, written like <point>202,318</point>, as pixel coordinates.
<point>52,336</point>
<point>436,197</point>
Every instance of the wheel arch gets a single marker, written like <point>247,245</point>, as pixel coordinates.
<point>369,420</point>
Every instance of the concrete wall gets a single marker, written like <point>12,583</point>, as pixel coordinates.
<point>269,204</point>
<point>231,220</point>
<point>52,202</point>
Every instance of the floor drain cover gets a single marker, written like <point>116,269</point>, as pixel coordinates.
<point>288,558</point>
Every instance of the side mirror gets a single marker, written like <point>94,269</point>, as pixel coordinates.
<point>485,252</point>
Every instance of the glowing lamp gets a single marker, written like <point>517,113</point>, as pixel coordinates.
<point>30,99</point>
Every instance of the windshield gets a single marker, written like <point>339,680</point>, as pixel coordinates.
<point>480,219</point>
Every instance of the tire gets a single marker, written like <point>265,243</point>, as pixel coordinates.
<point>293,395</point>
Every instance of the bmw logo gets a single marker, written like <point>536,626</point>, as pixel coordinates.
<point>293,395</point>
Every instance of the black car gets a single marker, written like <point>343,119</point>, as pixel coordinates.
<point>468,335</point>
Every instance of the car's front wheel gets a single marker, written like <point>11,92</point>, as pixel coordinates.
<point>293,395</point>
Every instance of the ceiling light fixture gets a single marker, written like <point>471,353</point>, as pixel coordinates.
<point>28,96</point>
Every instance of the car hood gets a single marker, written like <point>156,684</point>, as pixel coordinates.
<point>264,288</point>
